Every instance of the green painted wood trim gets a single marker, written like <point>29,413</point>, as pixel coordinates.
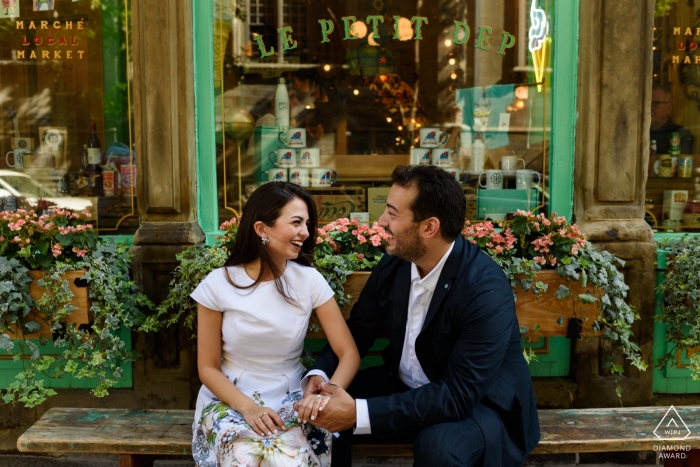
<point>10,368</point>
<point>564,82</point>
<point>670,379</point>
<point>556,362</point>
<point>207,201</point>
<point>114,74</point>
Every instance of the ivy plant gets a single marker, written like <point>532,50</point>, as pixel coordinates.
<point>55,244</point>
<point>680,308</point>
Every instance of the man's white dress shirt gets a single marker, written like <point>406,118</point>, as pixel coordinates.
<point>410,371</point>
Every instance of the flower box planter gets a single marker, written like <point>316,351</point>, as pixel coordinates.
<point>81,315</point>
<point>533,310</point>
<point>545,309</point>
<point>353,286</point>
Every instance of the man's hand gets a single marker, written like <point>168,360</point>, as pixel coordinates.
<point>339,413</point>
<point>314,386</point>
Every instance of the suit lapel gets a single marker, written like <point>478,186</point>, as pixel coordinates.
<point>400,311</point>
<point>444,283</point>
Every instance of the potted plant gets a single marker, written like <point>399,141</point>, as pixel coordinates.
<point>51,267</point>
<point>680,308</point>
<point>550,258</point>
<point>343,247</point>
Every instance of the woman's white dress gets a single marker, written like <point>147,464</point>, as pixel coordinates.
<point>262,341</point>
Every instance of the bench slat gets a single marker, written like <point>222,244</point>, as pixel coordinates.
<point>609,430</point>
<point>169,432</point>
<point>115,431</point>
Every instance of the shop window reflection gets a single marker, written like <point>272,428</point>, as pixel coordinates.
<point>362,102</point>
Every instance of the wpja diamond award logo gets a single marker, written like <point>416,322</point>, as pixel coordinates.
<point>672,428</point>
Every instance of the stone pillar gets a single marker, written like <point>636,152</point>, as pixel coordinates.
<point>612,152</point>
<point>164,118</point>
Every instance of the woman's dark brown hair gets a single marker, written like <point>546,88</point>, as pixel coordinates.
<point>265,205</point>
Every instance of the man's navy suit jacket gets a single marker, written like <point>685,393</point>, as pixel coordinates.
<point>469,348</point>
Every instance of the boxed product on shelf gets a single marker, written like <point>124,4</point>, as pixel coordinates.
<point>335,202</point>
<point>266,140</point>
<point>674,204</point>
<point>376,201</point>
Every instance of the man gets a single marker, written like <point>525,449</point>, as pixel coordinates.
<point>454,381</point>
<point>661,124</point>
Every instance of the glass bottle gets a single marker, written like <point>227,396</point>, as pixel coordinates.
<point>94,169</point>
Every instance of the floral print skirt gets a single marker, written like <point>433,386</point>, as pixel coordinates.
<point>222,438</point>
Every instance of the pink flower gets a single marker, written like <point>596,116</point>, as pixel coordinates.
<point>376,240</point>
<point>361,239</point>
<point>360,256</point>
<point>80,253</point>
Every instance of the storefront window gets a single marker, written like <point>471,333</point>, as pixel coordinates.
<point>334,95</point>
<point>673,184</point>
<point>66,123</point>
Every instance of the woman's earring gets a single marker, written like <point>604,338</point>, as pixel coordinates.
<point>265,240</point>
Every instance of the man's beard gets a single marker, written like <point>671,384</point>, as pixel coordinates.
<point>411,248</point>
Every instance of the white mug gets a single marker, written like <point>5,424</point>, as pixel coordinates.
<point>284,157</point>
<point>523,179</point>
<point>293,137</point>
<point>459,175</point>
<point>323,177</point>
<point>310,157</point>
<point>432,137</point>
<point>19,158</point>
<point>509,164</point>
<point>443,157</point>
<point>299,176</point>
<point>420,156</point>
<point>494,180</point>
<point>276,175</point>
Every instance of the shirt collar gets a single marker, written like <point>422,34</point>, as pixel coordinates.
<point>430,280</point>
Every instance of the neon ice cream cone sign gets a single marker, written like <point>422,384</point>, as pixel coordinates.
<point>537,41</point>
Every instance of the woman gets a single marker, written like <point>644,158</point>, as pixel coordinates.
<point>252,318</point>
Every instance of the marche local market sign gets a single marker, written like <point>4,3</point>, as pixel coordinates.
<point>59,42</point>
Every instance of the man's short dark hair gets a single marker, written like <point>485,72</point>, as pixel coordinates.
<point>662,87</point>
<point>439,195</point>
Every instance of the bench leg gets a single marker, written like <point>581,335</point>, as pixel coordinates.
<point>692,459</point>
<point>135,460</point>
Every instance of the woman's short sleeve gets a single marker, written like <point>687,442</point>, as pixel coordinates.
<point>206,293</point>
<point>321,291</point>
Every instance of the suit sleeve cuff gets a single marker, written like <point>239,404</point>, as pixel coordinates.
<point>305,380</point>
<point>362,426</point>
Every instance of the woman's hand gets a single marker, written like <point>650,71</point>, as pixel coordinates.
<point>311,405</point>
<point>263,420</point>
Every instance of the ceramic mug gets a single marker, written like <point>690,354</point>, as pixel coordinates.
<point>420,156</point>
<point>509,164</point>
<point>293,137</point>
<point>493,181</point>
<point>19,158</point>
<point>276,175</point>
<point>310,157</point>
<point>443,157</point>
<point>523,179</point>
<point>323,177</point>
<point>299,176</point>
<point>459,175</point>
<point>432,137</point>
<point>284,157</point>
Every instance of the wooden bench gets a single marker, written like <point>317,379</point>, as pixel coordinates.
<point>138,436</point>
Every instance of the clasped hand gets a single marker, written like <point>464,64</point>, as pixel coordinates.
<point>327,405</point>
